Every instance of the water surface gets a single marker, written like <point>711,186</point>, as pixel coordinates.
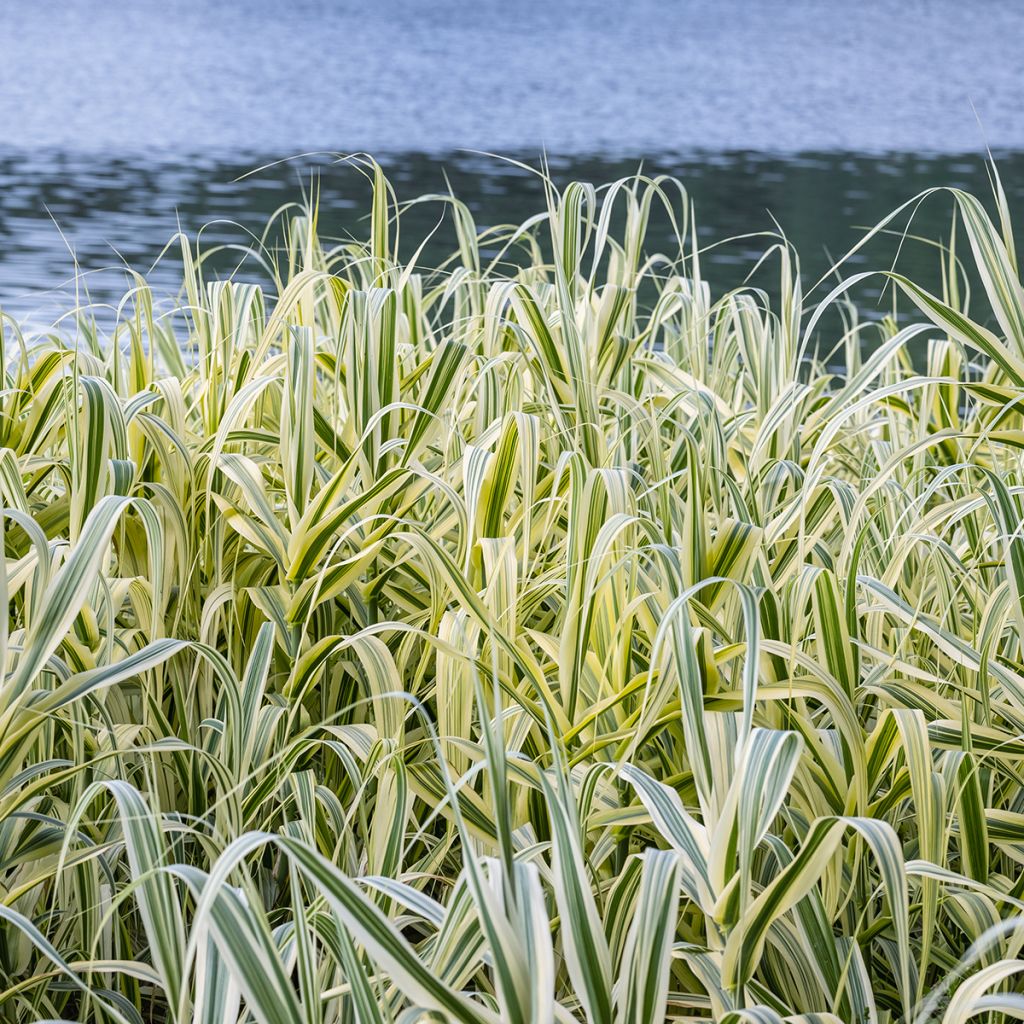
<point>120,121</point>
<point>64,212</point>
<point>582,76</point>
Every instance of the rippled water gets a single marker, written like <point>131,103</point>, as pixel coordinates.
<point>117,213</point>
<point>118,121</point>
<point>185,76</point>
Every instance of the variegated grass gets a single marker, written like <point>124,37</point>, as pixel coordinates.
<point>493,644</point>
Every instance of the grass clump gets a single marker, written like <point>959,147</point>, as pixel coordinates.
<point>534,639</point>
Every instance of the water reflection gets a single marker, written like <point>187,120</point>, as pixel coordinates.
<point>115,213</point>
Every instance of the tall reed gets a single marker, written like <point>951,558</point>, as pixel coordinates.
<point>543,638</point>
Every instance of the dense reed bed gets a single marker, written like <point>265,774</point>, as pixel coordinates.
<point>540,638</point>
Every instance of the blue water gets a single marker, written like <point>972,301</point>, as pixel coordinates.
<point>587,76</point>
<point>120,120</point>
